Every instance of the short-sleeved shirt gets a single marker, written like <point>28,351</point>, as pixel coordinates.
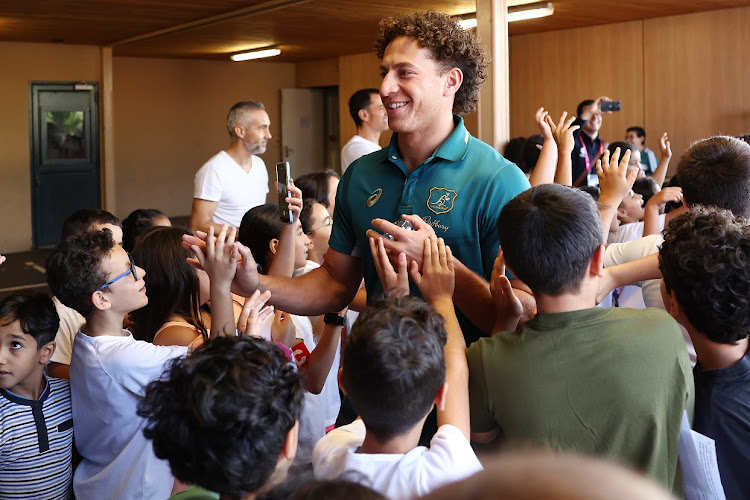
<point>607,382</point>
<point>223,180</point>
<point>108,377</point>
<point>459,190</point>
<point>357,147</point>
<point>36,443</point>
<point>722,412</point>
<point>449,458</point>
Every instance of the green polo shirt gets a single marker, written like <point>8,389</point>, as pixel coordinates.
<point>459,191</point>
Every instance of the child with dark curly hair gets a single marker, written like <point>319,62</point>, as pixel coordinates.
<point>226,417</point>
<point>706,288</point>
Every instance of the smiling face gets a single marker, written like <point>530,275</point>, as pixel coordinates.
<point>21,363</point>
<point>413,88</point>
<point>302,245</point>
<point>127,293</point>
<point>592,126</point>
<point>257,131</point>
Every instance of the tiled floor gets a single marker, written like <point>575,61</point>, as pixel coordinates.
<point>25,270</point>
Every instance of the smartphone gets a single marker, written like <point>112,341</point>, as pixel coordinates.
<point>282,180</point>
<point>609,106</point>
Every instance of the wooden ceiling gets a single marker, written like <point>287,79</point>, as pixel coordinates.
<point>304,29</point>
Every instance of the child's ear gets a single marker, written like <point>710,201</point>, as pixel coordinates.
<point>273,245</point>
<point>46,352</point>
<point>596,266</point>
<point>289,448</point>
<point>100,300</point>
<point>341,380</point>
<point>621,212</point>
<point>441,395</point>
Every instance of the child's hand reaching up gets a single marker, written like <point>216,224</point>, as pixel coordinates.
<point>508,309</point>
<point>438,278</point>
<point>220,263</point>
<point>395,283</point>
<point>254,312</point>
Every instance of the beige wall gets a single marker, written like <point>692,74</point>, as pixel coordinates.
<point>169,117</point>
<point>22,63</point>
<point>685,75</point>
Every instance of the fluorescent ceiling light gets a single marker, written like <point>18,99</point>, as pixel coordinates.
<point>530,11</point>
<point>257,54</point>
<point>515,13</point>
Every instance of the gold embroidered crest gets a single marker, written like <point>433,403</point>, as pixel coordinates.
<point>441,200</point>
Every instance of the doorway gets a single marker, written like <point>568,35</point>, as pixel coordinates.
<point>65,169</point>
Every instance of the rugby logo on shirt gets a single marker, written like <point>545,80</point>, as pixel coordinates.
<point>441,200</point>
<point>374,197</point>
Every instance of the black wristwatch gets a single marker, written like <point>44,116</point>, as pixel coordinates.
<point>334,319</point>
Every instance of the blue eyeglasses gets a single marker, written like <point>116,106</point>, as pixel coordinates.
<point>130,271</point>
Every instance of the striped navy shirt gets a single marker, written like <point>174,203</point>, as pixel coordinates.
<point>36,443</point>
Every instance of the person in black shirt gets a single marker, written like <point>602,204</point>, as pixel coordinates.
<point>589,147</point>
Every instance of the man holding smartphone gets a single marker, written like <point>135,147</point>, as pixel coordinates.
<point>448,183</point>
<point>234,180</point>
<point>589,146</point>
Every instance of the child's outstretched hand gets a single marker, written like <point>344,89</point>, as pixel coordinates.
<point>563,132</point>
<point>438,278</point>
<point>283,329</point>
<point>220,260</point>
<point>254,312</point>
<point>395,282</point>
<point>2,259</point>
<point>542,124</point>
<point>614,182</point>
<point>508,309</point>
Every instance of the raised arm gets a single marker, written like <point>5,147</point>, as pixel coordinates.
<point>615,184</point>
<point>666,156</point>
<point>544,172</point>
<point>654,207</point>
<point>436,282</point>
<point>563,132</point>
<point>508,308</point>
<point>328,288</point>
<point>283,261</point>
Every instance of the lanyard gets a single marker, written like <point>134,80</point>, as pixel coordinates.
<point>586,151</point>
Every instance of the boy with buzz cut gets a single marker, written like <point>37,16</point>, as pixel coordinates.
<point>36,426</point>
<point>706,288</point>
<point>401,359</point>
<point>607,382</point>
<point>109,369</point>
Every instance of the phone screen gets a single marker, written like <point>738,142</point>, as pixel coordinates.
<point>282,180</point>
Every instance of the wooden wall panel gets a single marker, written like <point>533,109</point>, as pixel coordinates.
<point>319,73</point>
<point>359,71</point>
<point>559,69</point>
<point>698,67</point>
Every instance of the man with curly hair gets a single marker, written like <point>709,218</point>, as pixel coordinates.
<point>433,172</point>
<point>706,288</point>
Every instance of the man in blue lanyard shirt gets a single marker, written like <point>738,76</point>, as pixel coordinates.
<point>433,168</point>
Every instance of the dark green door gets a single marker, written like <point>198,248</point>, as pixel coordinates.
<point>64,155</point>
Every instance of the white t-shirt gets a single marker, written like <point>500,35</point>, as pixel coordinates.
<point>70,323</point>
<point>223,180</point>
<point>356,147</point>
<point>449,458</point>
<point>620,253</point>
<point>318,410</point>
<point>108,375</point>
<point>632,231</point>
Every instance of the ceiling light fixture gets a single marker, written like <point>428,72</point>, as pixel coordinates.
<point>515,13</point>
<point>257,54</point>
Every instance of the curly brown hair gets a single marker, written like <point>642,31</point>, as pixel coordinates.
<point>453,47</point>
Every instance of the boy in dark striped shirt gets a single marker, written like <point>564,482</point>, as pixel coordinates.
<point>36,421</point>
